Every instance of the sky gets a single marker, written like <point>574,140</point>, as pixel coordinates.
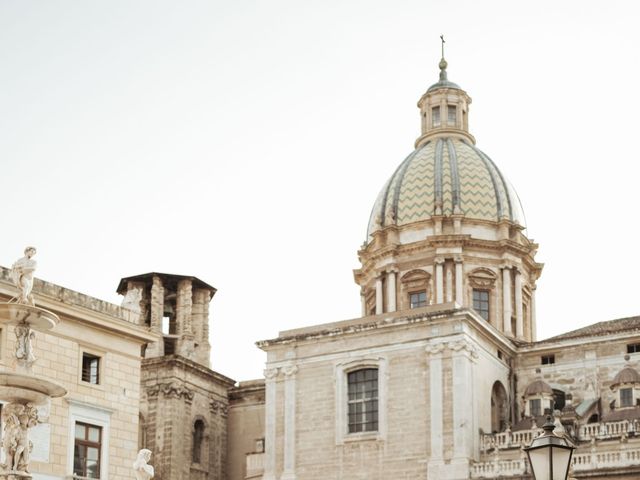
<point>244,142</point>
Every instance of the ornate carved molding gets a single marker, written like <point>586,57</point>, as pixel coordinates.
<point>171,390</point>
<point>290,370</point>
<point>218,408</point>
<point>482,278</point>
<point>270,373</point>
<point>434,349</point>
<point>463,345</point>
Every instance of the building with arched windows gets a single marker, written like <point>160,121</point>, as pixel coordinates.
<point>441,377</point>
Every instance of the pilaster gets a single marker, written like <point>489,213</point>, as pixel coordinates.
<point>436,398</point>
<point>391,290</point>
<point>156,349</point>
<point>270,375</point>
<point>289,372</point>
<point>439,261</point>
<point>459,282</point>
<point>506,301</point>
<point>379,300</point>
<point>518,301</point>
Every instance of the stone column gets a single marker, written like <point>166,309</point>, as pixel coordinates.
<point>270,375</point>
<point>518,298</point>
<point>532,312</point>
<point>289,472</point>
<point>459,283</point>
<point>436,402</point>
<point>184,327</point>
<point>379,302</point>
<point>506,300</point>
<point>464,356</point>
<point>156,349</point>
<point>439,280</point>
<point>449,277</point>
<point>363,303</point>
<point>391,291</point>
<point>199,321</point>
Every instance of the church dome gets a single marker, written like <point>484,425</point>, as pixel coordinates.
<point>626,375</point>
<point>446,175</point>
<point>538,387</point>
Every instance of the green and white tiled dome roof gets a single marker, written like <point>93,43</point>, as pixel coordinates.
<point>448,175</point>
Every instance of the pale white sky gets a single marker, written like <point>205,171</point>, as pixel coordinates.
<point>244,142</point>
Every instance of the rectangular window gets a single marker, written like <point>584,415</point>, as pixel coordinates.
<point>481,303</point>
<point>435,116</point>
<point>633,348</point>
<point>418,299</point>
<point>626,397</point>
<point>535,407</point>
<point>90,368</point>
<point>363,400</point>
<point>547,359</point>
<point>86,450</point>
<point>451,115</point>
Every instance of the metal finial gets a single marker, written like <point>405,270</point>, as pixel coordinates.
<point>443,63</point>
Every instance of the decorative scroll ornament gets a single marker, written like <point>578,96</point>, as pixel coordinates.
<point>218,408</point>
<point>171,390</point>
<point>435,348</point>
<point>270,373</point>
<point>463,346</point>
<point>290,370</point>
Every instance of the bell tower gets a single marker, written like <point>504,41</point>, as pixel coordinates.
<point>183,407</point>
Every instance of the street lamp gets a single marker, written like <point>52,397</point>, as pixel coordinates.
<point>549,455</point>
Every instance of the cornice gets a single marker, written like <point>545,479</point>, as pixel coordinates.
<point>177,361</point>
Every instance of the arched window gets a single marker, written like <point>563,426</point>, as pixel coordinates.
<point>499,408</point>
<point>198,437</point>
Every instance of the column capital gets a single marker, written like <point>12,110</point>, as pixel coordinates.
<point>434,349</point>
<point>289,370</point>
<point>270,373</point>
<point>457,259</point>
<point>438,260</point>
<point>463,346</point>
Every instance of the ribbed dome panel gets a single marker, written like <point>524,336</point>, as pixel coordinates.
<point>444,177</point>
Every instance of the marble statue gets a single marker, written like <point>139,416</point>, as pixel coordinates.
<point>22,274</point>
<point>142,470</point>
<point>132,299</point>
<point>18,419</point>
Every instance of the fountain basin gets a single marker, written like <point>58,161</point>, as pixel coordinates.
<point>21,388</point>
<point>37,318</point>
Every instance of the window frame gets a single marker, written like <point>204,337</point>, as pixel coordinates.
<point>85,443</point>
<point>95,353</point>
<point>436,113</point>
<point>367,418</point>
<point>92,415</point>
<point>451,108</point>
<point>480,311</point>
<point>341,371</point>
<point>631,396</point>
<point>548,359</point>
<point>539,405</point>
<point>633,348</point>
<point>419,304</point>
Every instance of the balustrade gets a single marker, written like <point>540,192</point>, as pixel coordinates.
<point>254,465</point>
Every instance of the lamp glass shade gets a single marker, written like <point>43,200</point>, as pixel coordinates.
<point>550,462</point>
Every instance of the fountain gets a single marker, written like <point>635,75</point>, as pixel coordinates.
<point>23,390</point>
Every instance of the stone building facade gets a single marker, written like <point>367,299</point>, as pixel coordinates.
<point>441,377</point>
<point>94,353</point>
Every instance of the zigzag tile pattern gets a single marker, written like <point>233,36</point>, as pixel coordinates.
<point>411,192</point>
<point>417,192</point>
<point>477,195</point>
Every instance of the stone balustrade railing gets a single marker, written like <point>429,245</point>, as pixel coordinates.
<point>611,459</point>
<point>601,431</point>
<point>254,465</point>
<point>508,439</point>
<point>598,431</point>
<point>499,468</point>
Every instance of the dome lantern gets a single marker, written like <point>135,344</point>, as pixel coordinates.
<point>444,109</point>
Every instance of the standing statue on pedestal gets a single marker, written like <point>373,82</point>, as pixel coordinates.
<point>22,275</point>
<point>142,470</point>
<point>18,419</point>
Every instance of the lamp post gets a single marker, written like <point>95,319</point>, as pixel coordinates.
<point>549,455</point>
